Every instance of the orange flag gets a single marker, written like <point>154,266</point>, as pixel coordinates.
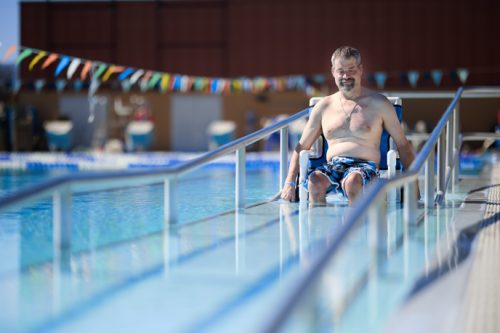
<point>85,69</point>
<point>50,59</point>
<point>9,52</point>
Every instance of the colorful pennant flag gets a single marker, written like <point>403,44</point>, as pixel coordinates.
<point>85,70</point>
<point>413,78</point>
<point>10,51</point>
<point>123,75</point>
<point>463,74</point>
<point>380,78</point>
<point>437,76</point>
<point>36,59</point>
<point>98,72</point>
<point>50,59</point>
<point>138,73</point>
<point>39,84</point>
<point>62,65</point>
<point>72,68</point>
<point>154,80</point>
<point>23,55</point>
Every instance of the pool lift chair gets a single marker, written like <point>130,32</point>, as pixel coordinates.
<point>389,159</point>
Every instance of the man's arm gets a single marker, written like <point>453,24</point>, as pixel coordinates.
<point>311,132</point>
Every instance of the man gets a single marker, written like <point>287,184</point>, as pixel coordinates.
<point>352,121</point>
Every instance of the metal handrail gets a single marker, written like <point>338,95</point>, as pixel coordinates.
<point>61,188</point>
<point>371,201</point>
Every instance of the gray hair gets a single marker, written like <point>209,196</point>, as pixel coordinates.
<point>346,52</point>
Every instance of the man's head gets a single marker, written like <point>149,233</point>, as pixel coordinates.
<point>347,68</point>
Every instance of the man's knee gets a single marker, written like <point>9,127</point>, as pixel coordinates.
<point>318,182</point>
<point>353,183</point>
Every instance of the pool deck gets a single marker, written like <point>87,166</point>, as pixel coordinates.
<point>466,298</point>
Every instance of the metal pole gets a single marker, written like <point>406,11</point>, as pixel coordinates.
<point>429,180</point>
<point>170,200</point>
<point>240,177</point>
<point>62,202</point>
<point>456,146</point>
<point>283,155</point>
<point>441,168</point>
<point>449,146</point>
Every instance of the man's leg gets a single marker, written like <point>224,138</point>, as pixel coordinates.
<point>318,183</point>
<point>353,185</point>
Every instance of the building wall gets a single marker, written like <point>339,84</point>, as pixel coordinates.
<point>231,38</point>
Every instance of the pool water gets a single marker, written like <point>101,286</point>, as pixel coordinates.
<point>106,217</point>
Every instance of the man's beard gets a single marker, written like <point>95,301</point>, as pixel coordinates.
<point>347,86</point>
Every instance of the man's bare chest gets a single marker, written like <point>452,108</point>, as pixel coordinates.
<point>354,122</point>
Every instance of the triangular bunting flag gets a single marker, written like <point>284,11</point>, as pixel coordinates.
<point>108,73</point>
<point>154,80</point>
<point>437,76</point>
<point>125,85</point>
<point>413,78</point>
<point>60,85</point>
<point>77,85</point>
<point>125,74</point>
<point>50,59</point>
<point>164,82</point>
<point>62,65</point>
<point>72,68</point>
<point>36,59</point>
<point>39,84</point>
<point>23,55</point>
<point>380,78</point>
<point>463,74</point>
<point>9,52</point>
<point>85,70</point>
<point>99,71</point>
<point>138,73</point>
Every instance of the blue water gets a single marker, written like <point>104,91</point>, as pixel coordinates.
<point>107,217</point>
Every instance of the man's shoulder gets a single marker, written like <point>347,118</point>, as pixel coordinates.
<point>377,100</point>
<point>324,103</point>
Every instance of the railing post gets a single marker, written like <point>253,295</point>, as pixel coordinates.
<point>441,168</point>
<point>170,200</point>
<point>456,146</point>
<point>240,177</point>
<point>449,146</point>
<point>283,155</point>
<point>410,203</point>
<point>429,180</point>
<point>61,211</point>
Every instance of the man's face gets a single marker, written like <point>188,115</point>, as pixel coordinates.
<point>347,73</point>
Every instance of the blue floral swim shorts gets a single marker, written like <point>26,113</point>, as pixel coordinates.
<point>339,168</point>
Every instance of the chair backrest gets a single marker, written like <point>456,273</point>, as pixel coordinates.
<point>321,146</point>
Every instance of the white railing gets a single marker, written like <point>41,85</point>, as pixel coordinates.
<point>446,139</point>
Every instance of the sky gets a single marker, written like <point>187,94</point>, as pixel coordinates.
<point>9,26</point>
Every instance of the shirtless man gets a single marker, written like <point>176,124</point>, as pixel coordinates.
<point>352,121</point>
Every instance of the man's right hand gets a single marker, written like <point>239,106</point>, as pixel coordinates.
<point>288,192</point>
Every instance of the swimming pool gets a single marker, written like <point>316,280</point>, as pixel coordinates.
<point>217,270</point>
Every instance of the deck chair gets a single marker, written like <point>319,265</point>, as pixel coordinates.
<point>389,160</point>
